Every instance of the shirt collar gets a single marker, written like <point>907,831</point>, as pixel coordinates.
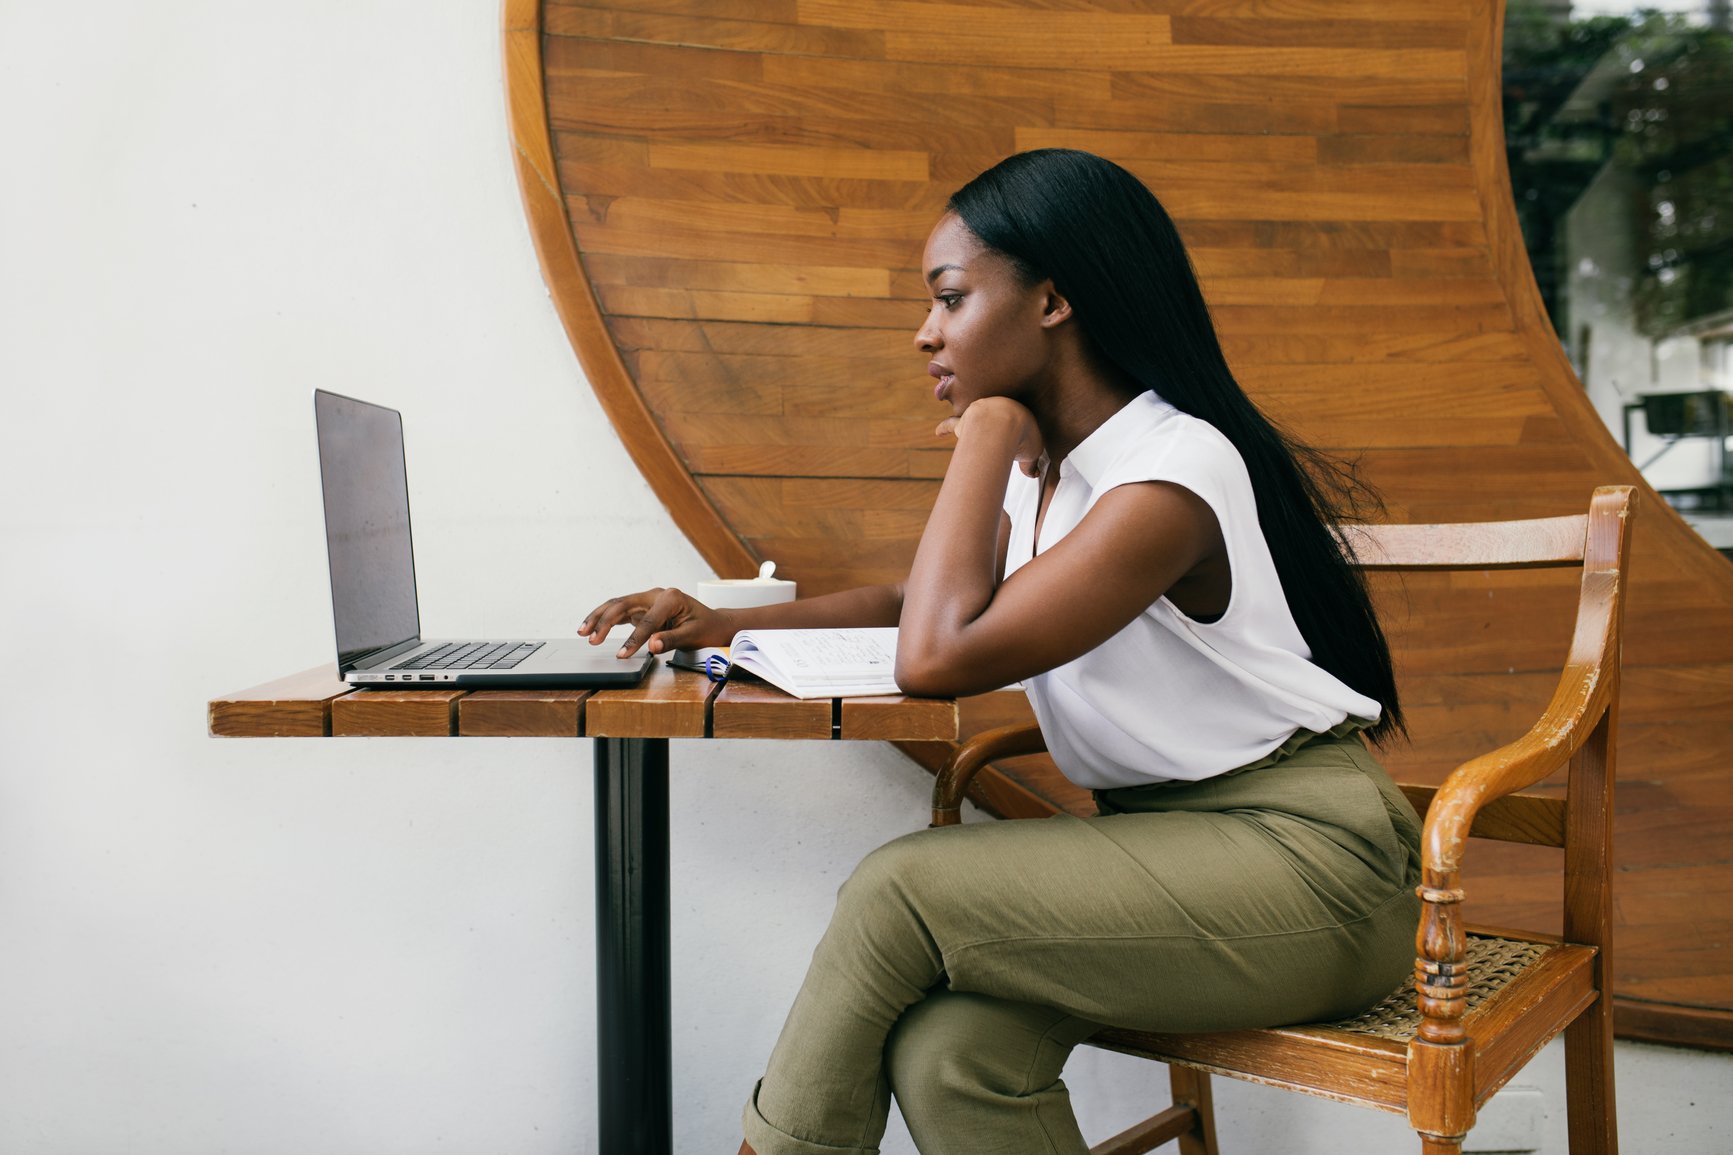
<point>1099,450</point>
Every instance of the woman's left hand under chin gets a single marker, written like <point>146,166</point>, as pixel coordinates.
<point>1007,418</point>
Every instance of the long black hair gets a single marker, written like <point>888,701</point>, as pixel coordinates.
<point>1112,251</point>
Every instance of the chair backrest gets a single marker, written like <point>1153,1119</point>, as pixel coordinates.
<point>1598,543</point>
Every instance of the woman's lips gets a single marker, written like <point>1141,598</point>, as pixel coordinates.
<point>946,379</point>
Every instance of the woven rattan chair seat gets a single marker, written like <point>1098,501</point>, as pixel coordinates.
<point>1492,964</point>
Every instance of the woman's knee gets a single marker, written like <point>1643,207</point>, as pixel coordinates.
<point>923,1051</point>
<point>958,1045</point>
<point>901,869</point>
<point>971,1072</point>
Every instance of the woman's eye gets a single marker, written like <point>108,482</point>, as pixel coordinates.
<point>949,300</point>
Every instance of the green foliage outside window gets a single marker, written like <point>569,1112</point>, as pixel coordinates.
<point>1652,94</point>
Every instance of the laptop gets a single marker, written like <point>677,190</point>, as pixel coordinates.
<point>366,482</point>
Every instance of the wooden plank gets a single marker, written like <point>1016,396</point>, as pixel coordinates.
<point>522,713</point>
<point>396,713</point>
<point>748,708</point>
<point>692,80</point>
<point>706,30</point>
<point>896,718</point>
<point>758,340</point>
<point>768,11</point>
<point>901,434</point>
<point>566,56</point>
<point>1319,33</point>
<point>805,555</point>
<point>852,127</point>
<point>298,706</point>
<point>1302,236</point>
<point>770,308</point>
<point>1552,541</point>
<point>1375,345</point>
<point>1362,1069</point>
<point>792,160</point>
<point>668,703</point>
<point>788,373</point>
<point>1154,89</point>
<point>1341,320</point>
<point>670,238</point>
<point>1514,818</point>
<point>1503,387</point>
<point>767,505</point>
<point>1391,148</point>
<point>1349,434</point>
<point>738,276</point>
<point>1144,53</point>
<point>1012,38</point>
<point>1343,290</point>
<point>1416,291</point>
<point>1418,119</point>
<point>1161,145</point>
<point>1512,1025</point>
<point>865,313</point>
<point>1356,10</point>
<point>1710,1028</point>
<point>1441,262</point>
<point>919,84</point>
<point>765,309</point>
<point>1169,175</point>
<point>812,461</point>
<point>827,224</point>
<point>1315,262</point>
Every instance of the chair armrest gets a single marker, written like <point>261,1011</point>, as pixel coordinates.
<point>1576,728</point>
<point>1584,697</point>
<point>952,780</point>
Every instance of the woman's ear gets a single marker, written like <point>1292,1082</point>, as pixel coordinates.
<point>1055,308</point>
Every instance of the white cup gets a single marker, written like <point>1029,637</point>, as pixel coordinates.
<point>742,593</point>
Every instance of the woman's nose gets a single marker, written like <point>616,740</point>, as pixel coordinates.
<point>927,337</point>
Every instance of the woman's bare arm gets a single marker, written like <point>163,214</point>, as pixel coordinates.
<point>964,631</point>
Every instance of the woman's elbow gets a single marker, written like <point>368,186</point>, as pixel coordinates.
<point>914,674</point>
<point>927,676</point>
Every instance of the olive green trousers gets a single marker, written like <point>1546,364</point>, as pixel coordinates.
<point>963,964</point>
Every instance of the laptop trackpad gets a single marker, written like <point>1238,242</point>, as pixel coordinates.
<point>574,656</point>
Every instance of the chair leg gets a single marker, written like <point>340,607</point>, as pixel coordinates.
<point>1191,1120</point>
<point>1589,1103</point>
<point>1438,1145</point>
<point>1191,1089</point>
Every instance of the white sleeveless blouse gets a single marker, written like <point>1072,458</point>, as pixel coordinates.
<point>1168,698</point>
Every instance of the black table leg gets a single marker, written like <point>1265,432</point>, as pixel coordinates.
<point>633,1070</point>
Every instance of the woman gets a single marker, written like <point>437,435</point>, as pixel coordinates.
<point>1160,574</point>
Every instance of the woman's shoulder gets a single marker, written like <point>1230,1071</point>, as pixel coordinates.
<point>1159,442</point>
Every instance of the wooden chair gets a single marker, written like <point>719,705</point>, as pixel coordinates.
<point>1482,1002</point>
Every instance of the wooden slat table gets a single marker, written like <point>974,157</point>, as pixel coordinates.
<point>631,729</point>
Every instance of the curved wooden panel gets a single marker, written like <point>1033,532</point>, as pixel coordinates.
<point>730,198</point>
<point>526,109</point>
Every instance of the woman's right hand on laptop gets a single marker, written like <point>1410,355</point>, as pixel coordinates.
<point>666,618</point>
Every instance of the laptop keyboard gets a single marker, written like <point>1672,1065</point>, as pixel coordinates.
<point>471,656</point>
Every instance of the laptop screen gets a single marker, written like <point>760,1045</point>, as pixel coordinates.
<point>366,484</point>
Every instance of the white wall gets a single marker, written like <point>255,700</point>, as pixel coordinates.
<point>360,946</point>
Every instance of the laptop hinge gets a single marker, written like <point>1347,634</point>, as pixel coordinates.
<point>382,654</point>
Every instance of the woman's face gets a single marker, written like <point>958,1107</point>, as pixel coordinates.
<point>984,332</point>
